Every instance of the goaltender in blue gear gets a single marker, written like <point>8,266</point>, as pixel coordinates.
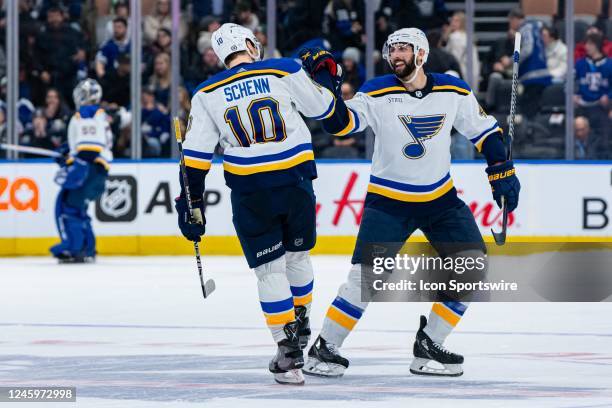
<point>412,114</point>
<point>83,171</point>
<point>253,110</point>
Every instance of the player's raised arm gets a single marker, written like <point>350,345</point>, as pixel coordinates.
<point>201,138</point>
<point>343,119</point>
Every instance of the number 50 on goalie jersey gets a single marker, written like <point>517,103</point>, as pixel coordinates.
<point>253,111</point>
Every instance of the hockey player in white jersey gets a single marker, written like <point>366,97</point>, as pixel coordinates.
<point>83,174</point>
<point>253,111</point>
<point>412,114</point>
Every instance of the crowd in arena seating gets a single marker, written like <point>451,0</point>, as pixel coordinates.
<point>64,41</point>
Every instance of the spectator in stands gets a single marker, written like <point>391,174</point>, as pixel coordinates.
<point>594,76</point>
<point>299,21</point>
<point>423,14</point>
<point>439,60</point>
<point>111,50</point>
<point>504,48</point>
<point>206,66</point>
<point>37,135</point>
<point>59,53</point>
<point>345,147</point>
<point>57,114</point>
<point>161,18</point>
<point>457,46</point>
<point>556,54</point>
<point>353,69</point>
<point>116,85</point>
<point>155,126</point>
<point>588,145</point>
<point>262,37</point>
<point>121,9</point>
<point>245,15</point>
<point>343,23</point>
<point>161,79</point>
<point>580,50</point>
<point>210,24</point>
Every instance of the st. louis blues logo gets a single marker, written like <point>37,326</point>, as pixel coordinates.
<point>420,128</point>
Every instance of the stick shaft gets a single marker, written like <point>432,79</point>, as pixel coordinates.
<point>29,149</point>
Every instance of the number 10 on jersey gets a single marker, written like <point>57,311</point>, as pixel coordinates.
<point>261,133</point>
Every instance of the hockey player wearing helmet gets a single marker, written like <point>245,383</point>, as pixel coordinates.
<point>82,175</point>
<point>412,113</point>
<point>252,110</point>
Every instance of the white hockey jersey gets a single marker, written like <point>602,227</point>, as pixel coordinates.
<point>253,111</point>
<point>411,160</point>
<point>89,130</point>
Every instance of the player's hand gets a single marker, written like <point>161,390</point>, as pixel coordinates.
<point>64,150</point>
<point>192,229</point>
<point>504,182</point>
<point>315,59</point>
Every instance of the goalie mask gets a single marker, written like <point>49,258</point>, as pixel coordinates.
<point>412,36</point>
<point>231,38</point>
<point>87,92</point>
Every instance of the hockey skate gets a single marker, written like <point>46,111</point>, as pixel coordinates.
<point>303,322</point>
<point>427,351</point>
<point>288,362</point>
<point>324,360</point>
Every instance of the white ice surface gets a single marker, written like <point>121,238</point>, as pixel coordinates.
<point>136,332</point>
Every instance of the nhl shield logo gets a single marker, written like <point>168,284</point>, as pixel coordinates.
<point>118,202</point>
<point>298,242</point>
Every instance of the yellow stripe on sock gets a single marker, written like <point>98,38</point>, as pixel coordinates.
<point>446,314</point>
<point>302,300</point>
<point>343,320</point>
<point>280,319</point>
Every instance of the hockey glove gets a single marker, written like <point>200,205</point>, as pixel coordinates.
<point>315,61</point>
<point>64,150</point>
<point>192,229</point>
<point>504,182</point>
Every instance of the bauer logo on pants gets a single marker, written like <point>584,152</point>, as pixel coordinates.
<point>118,203</point>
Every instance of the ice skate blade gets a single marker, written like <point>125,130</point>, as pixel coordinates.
<point>291,377</point>
<point>318,368</point>
<point>419,367</point>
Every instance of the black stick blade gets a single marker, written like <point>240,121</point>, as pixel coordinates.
<point>499,237</point>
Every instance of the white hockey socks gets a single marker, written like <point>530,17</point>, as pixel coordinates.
<point>443,318</point>
<point>275,296</point>
<point>346,310</point>
<point>300,276</point>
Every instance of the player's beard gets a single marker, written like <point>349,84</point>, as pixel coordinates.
<point>405,73</point>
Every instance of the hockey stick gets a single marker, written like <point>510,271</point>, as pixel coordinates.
<point>32,150</point>
<point>209,286</point>
<point>500,237</point>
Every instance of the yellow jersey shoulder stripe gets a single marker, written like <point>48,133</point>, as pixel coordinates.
<point>450,88</point>
<point>244,74</point>
<point>387,90</point>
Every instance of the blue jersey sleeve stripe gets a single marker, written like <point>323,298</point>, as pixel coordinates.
<point>198,155</point>
<point>356,116</point>
<point>456,307</point>
<point>347,307</point>
<point>277,307</point>
<point>302,290</point>
<point>86,142</point>
<point>409,187</point>
<point>331,106</point>
<point>477,138</point>
<point>270,157</point>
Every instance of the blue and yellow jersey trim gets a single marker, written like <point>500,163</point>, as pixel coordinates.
<point>89,146</point>
<point>479,140</point>
<point>197,160</point>
<point>278,67</point>
<point>278,313</point>
<point>244,166</point>
<point>450,88</point>
<point>449,311</point>
<point>352,125</point>
<point>409,192</point>
<point>328,112</point>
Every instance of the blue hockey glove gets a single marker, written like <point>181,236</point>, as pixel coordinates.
<point>315,60</point>
<point>64,150</point>
<point>76,174</point>
<point>192,229</point>
<point>504,182</point>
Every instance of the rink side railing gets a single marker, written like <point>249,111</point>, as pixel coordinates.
<point>560,202</point>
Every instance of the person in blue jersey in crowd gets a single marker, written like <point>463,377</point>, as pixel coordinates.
<point>84,168</point>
